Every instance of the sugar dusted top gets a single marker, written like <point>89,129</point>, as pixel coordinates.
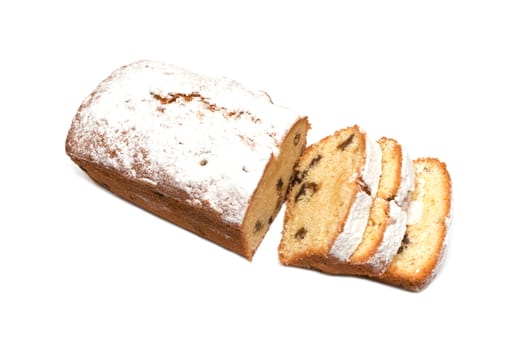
<point>164,125</point>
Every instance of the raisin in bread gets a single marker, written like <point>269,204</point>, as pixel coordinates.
<point>204,153</point>
<point>329,200</point>
<point>424,243</point>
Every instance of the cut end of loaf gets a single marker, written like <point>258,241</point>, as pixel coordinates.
<point>272,188</point>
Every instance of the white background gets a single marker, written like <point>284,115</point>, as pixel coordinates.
<point>82,269</point>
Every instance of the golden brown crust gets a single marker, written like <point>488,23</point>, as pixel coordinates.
<point>324,263</point>
<point>392,150</point>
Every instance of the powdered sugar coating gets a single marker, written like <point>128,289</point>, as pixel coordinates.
<point>351,236</point>
<point>415,210</point>
<point>158,123</point>
<point>407,181</point>
<point>391,240</point>
<point>373,166</point>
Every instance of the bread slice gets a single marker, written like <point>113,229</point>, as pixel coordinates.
<point>424,243</point>
<point>328,203</point>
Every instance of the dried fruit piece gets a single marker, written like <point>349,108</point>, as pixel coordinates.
<point>298,177</point>
<point>405,242</point>
<point>342,146</point>
<point>301,233</point>
<point>258,226</point>
<point>296,139</point>
<point>306,190</point>
<point>315,161</point>
<point>280,184</point>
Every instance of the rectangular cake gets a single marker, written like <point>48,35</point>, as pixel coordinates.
<point>204,153</point>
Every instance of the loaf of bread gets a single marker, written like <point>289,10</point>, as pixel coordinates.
<point>429,214</point>
<point>204,153</point>
<point>349,206</point>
